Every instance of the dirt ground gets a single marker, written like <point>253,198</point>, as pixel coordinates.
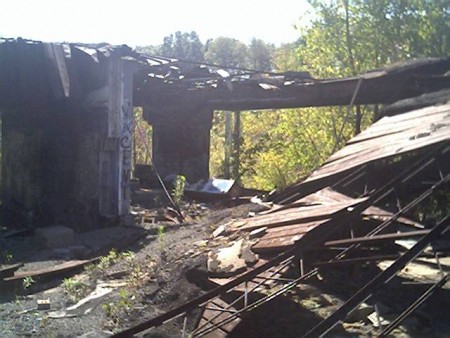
<point>151,264</point>
<point>145,264</point>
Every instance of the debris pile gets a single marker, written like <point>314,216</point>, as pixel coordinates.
<point>340,229</point>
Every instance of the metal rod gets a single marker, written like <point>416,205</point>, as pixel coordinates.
<point>257,303</point>
<point>350,181</point>
<point>377,312</point>
<point>246,294</point>
<point>184,327</point>
<point>327,324</point>
<point>441,270</point>
<point>221,309</point>
<point>393,218</point>
<point>279,268</point>
<point>410,309</point>
<point>349,108</point>
<point>377,238</point>
<point>192,304</point>
<point>357,172</point>
<point>274,279</point>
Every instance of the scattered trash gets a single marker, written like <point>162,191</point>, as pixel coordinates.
<point>43,304</point>
<point>360,313</point>
<point>84,306</point>
<point>232,259</point>
<point>257,233</point>
<point>219,231</point>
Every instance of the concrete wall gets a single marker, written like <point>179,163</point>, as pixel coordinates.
<point>50,167</point>
<point>68,161</point>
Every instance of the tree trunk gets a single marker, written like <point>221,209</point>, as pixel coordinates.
<point>358,118</point>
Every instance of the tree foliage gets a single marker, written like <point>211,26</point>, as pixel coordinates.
<point>341,38</point>
<point>142,141</point>
<point>227,52</point>
<point>344,38</point>
<point>186,46</point>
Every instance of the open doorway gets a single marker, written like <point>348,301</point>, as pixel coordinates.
<point>225,145</point>
<point>142,149</point>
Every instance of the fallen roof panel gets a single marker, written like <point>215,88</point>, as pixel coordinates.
<point>296,215</point>
<point>410,131</point>
<point>390,136</point>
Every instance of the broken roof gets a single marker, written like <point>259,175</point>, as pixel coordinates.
<point>387,138</point>
<point>248,90</point>
<point>37,71</point>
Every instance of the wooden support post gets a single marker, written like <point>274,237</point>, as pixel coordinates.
<point>228,141</point>
<point>236,145</point>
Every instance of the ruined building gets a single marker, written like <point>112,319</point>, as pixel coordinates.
<point>67,119</point>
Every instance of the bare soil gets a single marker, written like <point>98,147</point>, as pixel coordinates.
<point>158,265</point>
<point>147,271</point>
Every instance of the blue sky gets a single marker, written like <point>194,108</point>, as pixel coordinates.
<point>139,22</point>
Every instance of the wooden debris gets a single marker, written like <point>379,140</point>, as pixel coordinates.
<point>214,314</point>
<point>219,231</point>
<point>43,304</point>
<point>257,233</point>
<point>60,269</point>
<point>84,306</point>
<point>227,260</point>
<point>9,271</point>
<point>231,260</point>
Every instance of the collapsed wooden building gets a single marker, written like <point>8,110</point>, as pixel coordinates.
<point>67,128</point>
<point>67,119</point>
<point>387,185</point>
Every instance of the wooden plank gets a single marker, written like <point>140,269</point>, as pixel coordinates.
<point>209,314</point>
<point>379,238</point>
<point>297,216</point>
<point>330,196</point>
<point>431,127</point>
<point>292,230</point>
<point>425,130</point>
<point>9,271</point>
<point>399,123</point>
<point>51,271</point>
<point>276,244</point>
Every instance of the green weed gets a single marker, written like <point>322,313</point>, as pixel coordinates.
<point>75,289</point>
<point>27,282</point>
<point>178,190</point>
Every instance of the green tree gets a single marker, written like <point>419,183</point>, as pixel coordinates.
<point>344,38</point>
<point>227,52</point>
<point>185,46</point>
<point>142,139</point>
<point>347,37</point>
<point>260,55</point>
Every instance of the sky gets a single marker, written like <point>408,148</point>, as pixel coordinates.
<point>141,23</point>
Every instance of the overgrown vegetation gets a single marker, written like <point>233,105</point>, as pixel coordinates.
<point>75,289</point>
<point>116,310</point>
<point>161,235</point>
<point>27,282</point>
<point>6,257</point>
<point>178,189</point>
